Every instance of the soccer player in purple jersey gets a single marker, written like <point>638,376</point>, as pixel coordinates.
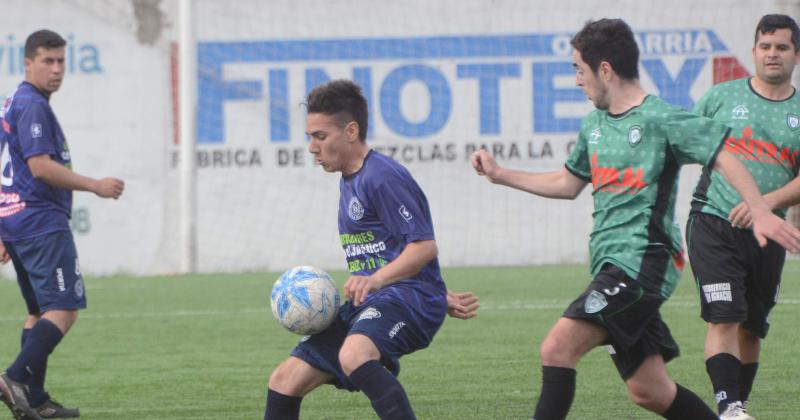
<point>35,207</point>
<point>397,298</point>
<point>630,149</point>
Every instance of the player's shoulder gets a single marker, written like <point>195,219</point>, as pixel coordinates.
<point>25,96</point>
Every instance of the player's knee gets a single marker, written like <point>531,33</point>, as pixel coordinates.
<point>648,396</point>
<point>283,380</point>
<point>350,359</point>
<point>554,353</point>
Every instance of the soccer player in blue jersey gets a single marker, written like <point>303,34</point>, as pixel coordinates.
<point>397,298</point>
<point>35,206</point>
<point>630,150</point>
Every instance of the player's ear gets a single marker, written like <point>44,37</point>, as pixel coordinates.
<point>352,130</point>
<point>605,71</point>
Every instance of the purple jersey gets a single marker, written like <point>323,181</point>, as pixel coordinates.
<point>30,207</point>
<point>381,210</point>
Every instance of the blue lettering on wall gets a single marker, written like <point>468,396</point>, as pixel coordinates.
<point>423,60</point>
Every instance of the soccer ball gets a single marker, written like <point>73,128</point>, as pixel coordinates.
<point>305,300</point>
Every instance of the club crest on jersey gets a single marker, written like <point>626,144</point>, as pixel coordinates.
<point>355,210</point>
<point>634,135</point>
<point>793,121</point>
<point>36,130</point>
<point>595,302</point>
<point>594,136</point>
<point>740,112</point>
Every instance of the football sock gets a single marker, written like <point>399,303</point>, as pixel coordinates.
<point>687,405</point>
<point>282,407</point>
<point>723,369</point>
<point>746,378</point>
<point>36,387</point>
<point>384,391</point>
<point>32,359</point>
<point>558,389</point>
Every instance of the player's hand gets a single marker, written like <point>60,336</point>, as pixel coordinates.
<point>462,305</point>
<point>740,216</point>
<point>357,288</point>
<point>109,187</point>
<point>4,256</point>
<point>484,164</point>
<point>769,226</point>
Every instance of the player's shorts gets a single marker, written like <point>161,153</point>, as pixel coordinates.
<point>631,316</point>
<point>391,325</point>
<point>737,279</point>
<point>48,272</point>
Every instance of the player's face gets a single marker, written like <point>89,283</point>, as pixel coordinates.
<point>775,57</point>
<point>332,145</point>
<point>594,88</point>
<point>46,70</point>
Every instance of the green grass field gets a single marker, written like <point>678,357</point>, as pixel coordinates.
<point>202,347</point>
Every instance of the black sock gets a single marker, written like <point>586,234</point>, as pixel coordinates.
<point>558,389</point>
<point>37,395</point>
<point>282,407</point>
<point>32,359</point>
<point>746,378</point>
<point>723,369</point>
<point>384,391</point>
<point>687,405</point>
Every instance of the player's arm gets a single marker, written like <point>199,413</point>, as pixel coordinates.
<point>558,184</point>
<point>54,174</point>
<point>766,225</point>
<point>411,260</point>
<point>784,197</point>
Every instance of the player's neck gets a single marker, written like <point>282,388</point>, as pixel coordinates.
<point>771,91</point>
<point>357,162</point>
<point>625,96</point>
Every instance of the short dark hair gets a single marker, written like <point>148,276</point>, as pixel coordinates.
<point>42,38</point>
<point>609,40</point>
<point>771,23</point>
<point>342,99</point>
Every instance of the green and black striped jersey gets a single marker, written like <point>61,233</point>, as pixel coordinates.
<point>765,136</point>
<point>633,162</point>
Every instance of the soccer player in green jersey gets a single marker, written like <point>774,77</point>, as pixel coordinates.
<point>630,149</point>
<point>738,279</point>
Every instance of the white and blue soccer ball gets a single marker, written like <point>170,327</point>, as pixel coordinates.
<point>305,300</point>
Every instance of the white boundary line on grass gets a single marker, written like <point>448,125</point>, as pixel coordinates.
<point>490,306</point>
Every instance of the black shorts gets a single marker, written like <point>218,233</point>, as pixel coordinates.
<point>631,316</point>
<point>737,279</point>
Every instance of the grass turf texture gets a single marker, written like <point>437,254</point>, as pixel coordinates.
<point>202,347</point>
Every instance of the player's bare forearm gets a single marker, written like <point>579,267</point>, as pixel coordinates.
<point>740,178</point>
<point>559,184</point>
<point>765,224</point>
<point>414,256</point>
<point>54,174</point>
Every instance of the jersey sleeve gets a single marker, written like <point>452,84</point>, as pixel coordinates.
<point>578,160</point>
<point>694,138</point>
<point>708,105</point>
<point>403,209</point>
<point>35,131</point>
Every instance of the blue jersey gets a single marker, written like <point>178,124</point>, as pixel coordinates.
<point>30,207</point>
<point>381,210</point>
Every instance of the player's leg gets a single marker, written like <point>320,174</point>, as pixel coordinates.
<point>721,258</point>
<point>750,351</point>
<point>650,387</point>
<point>562,348</point>
<point>360,360</point>
<point>292,380</point>
<point>762,294</point>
